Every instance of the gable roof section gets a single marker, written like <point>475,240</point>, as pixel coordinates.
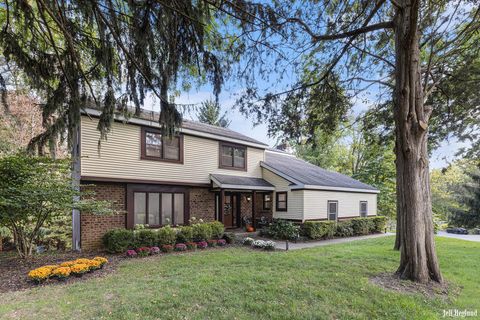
<point>304,175</point>
<point>150,119</point>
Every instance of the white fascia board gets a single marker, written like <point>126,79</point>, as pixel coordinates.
<point>149,123</point>
<point>239,187</point>
<point>280,174</point>
<point>328,188</point>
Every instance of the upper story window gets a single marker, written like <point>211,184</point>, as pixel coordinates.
<point>157,147</point>
<point>363,209</point>
<point>233,156</point>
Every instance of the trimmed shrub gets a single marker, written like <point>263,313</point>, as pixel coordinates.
<point>379,224</point>
<point>283,229</point>
<point>229,237</point>
<point>269,245</point>
<point>247,241</point>
<point>166,236</point>
<point>212,243</point>
<point>118,240</point>
<point>143,251</point>
<point>191,245</point>
<point>180,247</point>
<point>202,232</point>
<point>202,245</point>
<point>258,244</point>
<point>362,226</point>
<point>145,238</point>
<point>167,248</point>
<point>184,234</point>
<point>319,229</point>
<point>344,229</point>
<point>217,229</point>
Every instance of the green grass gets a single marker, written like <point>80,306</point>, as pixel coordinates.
<point>329,282</point>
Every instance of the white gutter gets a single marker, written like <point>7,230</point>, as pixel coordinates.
<point>300,186</point>
<point>155,124</point>
<point>327,188</point>
<point>239,187</point>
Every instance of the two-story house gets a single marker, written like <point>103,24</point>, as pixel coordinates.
<point>206,172</point>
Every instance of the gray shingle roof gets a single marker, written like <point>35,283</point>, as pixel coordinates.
<point>225,179</point>
<point>309,174</point>
<point>219,131</point>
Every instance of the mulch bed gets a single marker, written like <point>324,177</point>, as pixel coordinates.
<point>14,270</point>
<point>392,282</point>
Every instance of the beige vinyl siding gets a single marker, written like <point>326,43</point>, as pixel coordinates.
<point>315,203</point>
<point>120,157</point>
<point>294,198</point>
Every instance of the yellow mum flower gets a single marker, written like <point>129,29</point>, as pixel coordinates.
<point>94,264</point>
<point>82,261</point>
<point>51,267</point>
<point>102,260</point>
<point>61,272</point>
<point>67,264</point>
<point>39,274</point>
<point>79,268</point>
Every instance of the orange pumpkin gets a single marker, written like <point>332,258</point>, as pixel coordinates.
<point>250,229</point>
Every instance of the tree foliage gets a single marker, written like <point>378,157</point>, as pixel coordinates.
<point>209,112</point>
<point>34,192</point>
<point>468,213</point>
<point>108,54</point>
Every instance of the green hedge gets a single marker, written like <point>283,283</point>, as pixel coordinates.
<point>348,228</point>
<point>120,240</point>
<point>319,229</point>
<point>380,223</point>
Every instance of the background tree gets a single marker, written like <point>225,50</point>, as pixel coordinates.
<point>109,54</point>
<point>403,47</point>
<point>209,112</point>
<point>468,214</point>
<point>353,151</point>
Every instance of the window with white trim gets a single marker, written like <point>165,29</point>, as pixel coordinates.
<point>332,210</point>
<point>363,209</point>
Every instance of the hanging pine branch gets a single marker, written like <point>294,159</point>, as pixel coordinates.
<point>108,54</point>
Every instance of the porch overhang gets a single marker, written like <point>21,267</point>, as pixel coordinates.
<point>224,181</point>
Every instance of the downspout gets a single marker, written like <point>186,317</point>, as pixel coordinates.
<point>76,187</point>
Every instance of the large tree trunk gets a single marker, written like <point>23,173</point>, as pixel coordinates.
<point>418,261</point>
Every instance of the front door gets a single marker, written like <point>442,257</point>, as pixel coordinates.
<point>230,210</point>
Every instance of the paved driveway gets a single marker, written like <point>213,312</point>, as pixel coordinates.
<point>468,237</point>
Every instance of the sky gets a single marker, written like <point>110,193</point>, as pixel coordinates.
<point>439,159</point>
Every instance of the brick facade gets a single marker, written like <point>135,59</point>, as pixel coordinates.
<point>93,227</point>
<point>202,204</point>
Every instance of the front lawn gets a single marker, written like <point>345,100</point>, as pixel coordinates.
<point>330,282</point>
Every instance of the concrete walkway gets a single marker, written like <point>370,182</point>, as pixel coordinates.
<point>311,244</point>
<point>468,237</point>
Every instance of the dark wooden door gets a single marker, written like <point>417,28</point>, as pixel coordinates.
<point>230,210</point>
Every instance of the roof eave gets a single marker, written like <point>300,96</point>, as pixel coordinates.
<point>240,187</point>
<point>330,188</point>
